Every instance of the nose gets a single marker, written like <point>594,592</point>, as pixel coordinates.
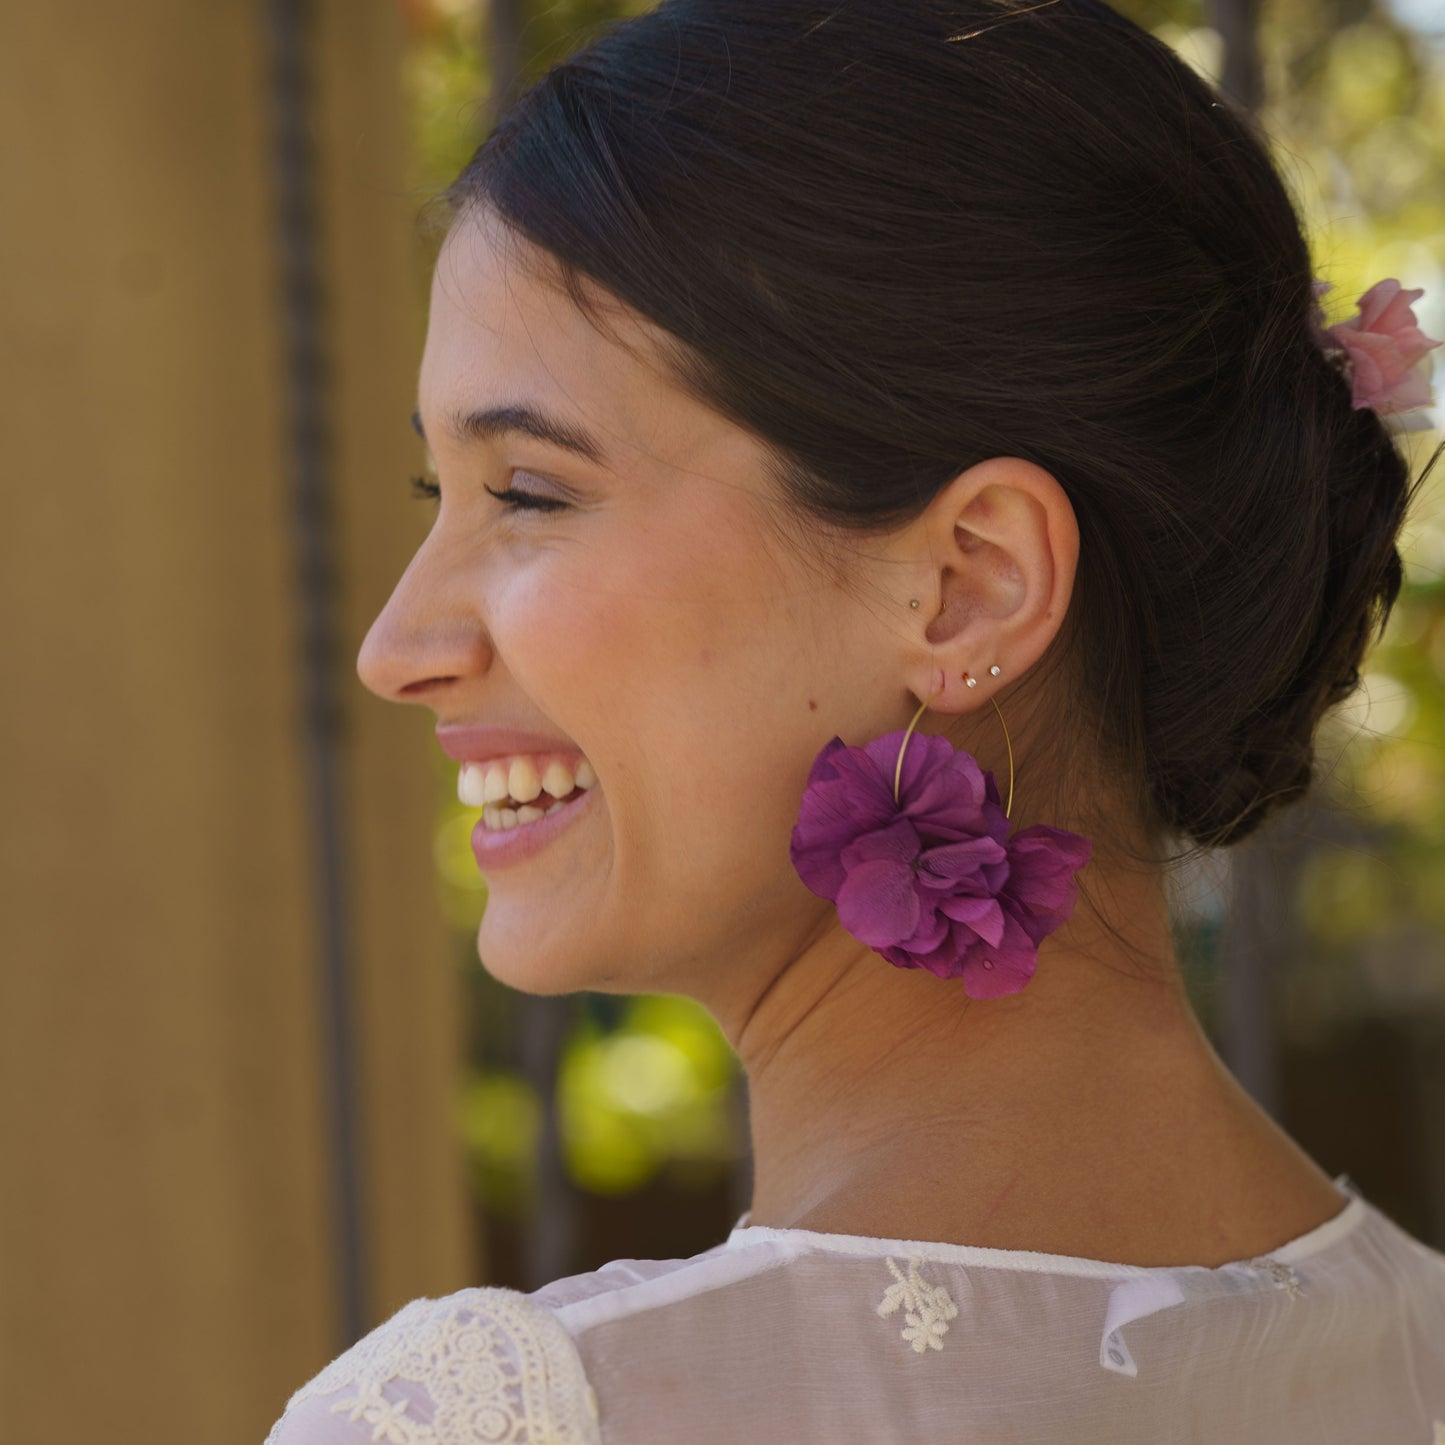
<point>427,642</point>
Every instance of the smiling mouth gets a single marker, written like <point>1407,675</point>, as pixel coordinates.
<point>527,784</point>
<point>501,816</point>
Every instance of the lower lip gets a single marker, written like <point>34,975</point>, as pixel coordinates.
<point>493,847</point>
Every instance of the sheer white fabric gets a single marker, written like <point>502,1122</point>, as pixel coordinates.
<point>791,1337</point>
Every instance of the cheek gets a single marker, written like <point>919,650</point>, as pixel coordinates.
<point>557,633</point>
<point>663,650</point>
<point>636,611</point>
<point>594,640</point>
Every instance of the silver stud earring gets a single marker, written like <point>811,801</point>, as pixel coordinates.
<point>994,670</point>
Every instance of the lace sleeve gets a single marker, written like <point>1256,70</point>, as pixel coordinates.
<point>483,1365</point>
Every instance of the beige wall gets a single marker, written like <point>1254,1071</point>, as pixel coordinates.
<point>165,1226</point>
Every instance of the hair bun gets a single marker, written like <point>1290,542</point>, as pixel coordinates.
<point>1267,759</point>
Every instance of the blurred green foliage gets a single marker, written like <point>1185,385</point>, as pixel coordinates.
<point>647,1096</point>
<point>1355,116</point>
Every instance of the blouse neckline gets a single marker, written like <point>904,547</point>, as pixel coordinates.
<point>1322,1236</point>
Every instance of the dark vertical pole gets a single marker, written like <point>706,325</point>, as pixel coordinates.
<point>505,19</point>
<point>553,1229</point>
<point>290,27</point>
<point>1237,22</point>
<point>1425,1039</point>
<point>1253,932</point>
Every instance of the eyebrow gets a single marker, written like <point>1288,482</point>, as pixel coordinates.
<point>476,426</point>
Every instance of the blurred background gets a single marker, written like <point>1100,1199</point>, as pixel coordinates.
<point>256,1089</point>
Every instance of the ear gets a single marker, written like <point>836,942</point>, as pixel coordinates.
<point>994,558</point>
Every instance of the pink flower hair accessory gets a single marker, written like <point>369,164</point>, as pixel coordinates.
<point>925,871</point>
<point>1384,350</point>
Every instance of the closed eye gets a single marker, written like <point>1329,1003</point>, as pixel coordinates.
<point>424,488</point>
<point>527,501</point>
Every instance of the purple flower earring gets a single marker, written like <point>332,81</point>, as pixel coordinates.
<point>926,873</point>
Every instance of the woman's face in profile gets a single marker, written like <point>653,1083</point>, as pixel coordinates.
<point>652,620</point>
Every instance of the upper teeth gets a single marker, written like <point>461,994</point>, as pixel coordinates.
<point>518,778</point>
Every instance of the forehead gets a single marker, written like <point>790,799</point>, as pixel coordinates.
<point>502,330</point>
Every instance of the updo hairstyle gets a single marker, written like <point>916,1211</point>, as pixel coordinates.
<point>893,238</point>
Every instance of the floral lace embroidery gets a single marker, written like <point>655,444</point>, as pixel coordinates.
<point>926,1308</point>
<point>497,1367</point>
<point>1284,1277</point>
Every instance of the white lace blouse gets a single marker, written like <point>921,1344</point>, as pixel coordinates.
<point>790,1337</point>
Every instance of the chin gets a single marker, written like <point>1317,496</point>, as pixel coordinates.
<point>518,959</point>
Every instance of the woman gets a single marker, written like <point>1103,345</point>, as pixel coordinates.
<point>898,499</point>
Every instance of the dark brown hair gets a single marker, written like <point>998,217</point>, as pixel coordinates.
<point>893,238</point>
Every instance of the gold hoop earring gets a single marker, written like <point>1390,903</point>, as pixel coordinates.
<point>1008,742</point>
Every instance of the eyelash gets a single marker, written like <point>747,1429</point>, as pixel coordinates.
<point>422,488</point>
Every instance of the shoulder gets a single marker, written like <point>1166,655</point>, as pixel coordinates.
<point>641,1289</point>
<point>483,1364</point>
<point>491,1363</point>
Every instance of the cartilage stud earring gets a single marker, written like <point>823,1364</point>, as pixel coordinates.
<point>994,670</point>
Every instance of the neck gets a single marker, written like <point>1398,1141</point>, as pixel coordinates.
<point>880,1093</point>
